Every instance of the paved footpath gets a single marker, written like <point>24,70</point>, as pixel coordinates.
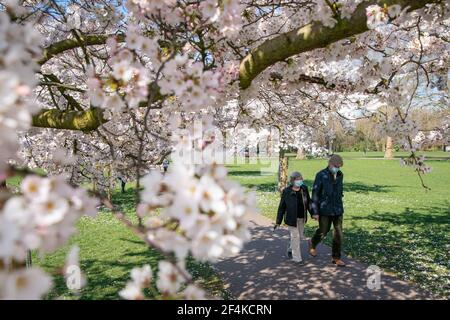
<point>262,271</point>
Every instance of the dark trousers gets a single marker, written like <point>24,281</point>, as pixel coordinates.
<point>324,227</point>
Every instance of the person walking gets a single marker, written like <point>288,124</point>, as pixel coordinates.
<point>327,207</point>
<point>293,208</point>
<point>122,184</point>
<point>165,165</point>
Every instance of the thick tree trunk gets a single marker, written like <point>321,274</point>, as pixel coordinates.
<point>388,153</point>
<point>330,146</point>
<point>110,184</point>
<point>258,161</point>
<point>300,153</point>
<point>235,152</point>
<point>247,154</point>
<point>269,144</point>
<point>283,168</point>
<point>224,146</point>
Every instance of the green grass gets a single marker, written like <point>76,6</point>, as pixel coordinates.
<point>390,220</point>
<point>108,252</point>
<point>441,155</point>
<point>378,154</point>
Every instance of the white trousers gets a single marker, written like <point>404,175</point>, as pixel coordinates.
<point>296,233</point>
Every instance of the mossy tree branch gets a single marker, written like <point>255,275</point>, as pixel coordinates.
<point>86,120</point>
<point>311,36</point>
<point>69,44</point>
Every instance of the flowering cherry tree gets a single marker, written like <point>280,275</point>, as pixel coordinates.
<point>121,85</point>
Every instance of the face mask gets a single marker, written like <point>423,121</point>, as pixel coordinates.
<point>334,170</point>
<point>298,183</point>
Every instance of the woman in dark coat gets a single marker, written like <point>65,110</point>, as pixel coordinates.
<point>294,207</point>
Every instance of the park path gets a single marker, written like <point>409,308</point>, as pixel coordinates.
<point>261,271</point>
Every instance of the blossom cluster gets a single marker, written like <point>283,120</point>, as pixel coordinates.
<point>324,14</point>
<point>194,210</point>
<point>379,16</point>
<point>402,129</point>
<point>19,45</point>
<point>169,283</point>
<point>209,209</point>
<point>91,16</point>
<point>129,79</point>
<point>42,218</point>
<point>406,132</point>
<point>188,81</point>
<point>226,15</point>
<point>24,284</point>
<point>417,163</point>
<point>126,85</point>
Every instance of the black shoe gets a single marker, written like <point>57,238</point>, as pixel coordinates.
<point>289,254</point>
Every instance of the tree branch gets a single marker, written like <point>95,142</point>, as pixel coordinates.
<point>86,121</point>
<point>69,44</point>
<point>311,36</point>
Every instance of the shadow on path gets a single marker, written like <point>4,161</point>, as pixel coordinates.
<point>261,271</point>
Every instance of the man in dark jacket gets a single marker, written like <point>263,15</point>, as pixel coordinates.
<point>294,206</point>
<point>328,208</point>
